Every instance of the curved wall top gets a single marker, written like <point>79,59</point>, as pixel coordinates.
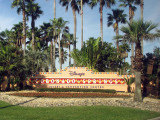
<point>80,72</point>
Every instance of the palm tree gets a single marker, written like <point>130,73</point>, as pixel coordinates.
<point>9,60</point>
<point>7,37</point>
<point>102,3</point>
<point>75,7</point>
<point>44,32</point>
<point>34,11</point>
<point>20,4</point>
<point>81,7</point>
<point>118,17</point>
<point>17,33</point>
<point>129,82</point>
<point>36,61</point>
<point>89,55</point>
<point>60,26</point>
<point>133,33</point>
<point>131,4</point>
<point>68,41</point>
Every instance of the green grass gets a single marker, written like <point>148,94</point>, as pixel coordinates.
<point>9,112</point>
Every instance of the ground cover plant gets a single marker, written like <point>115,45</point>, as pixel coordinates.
<point>68,94</point>
<point>74,90</point>
<point>10,112</point>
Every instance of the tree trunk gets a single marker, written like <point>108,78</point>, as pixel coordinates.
<point>138,92</point>
<point>24,27</point>
<point>81,23</point>
<point>69,55</point>
<point>75,29</point>
<point>117,42</point>
<point>132,44</point>
<point>51,55</point>
<point>128,89</point>
<point>54,47</point>
<point>54,56</point>
<point>142,20</point>
<point>101,20</point>
<point>74,37</point>
<point>138,68</point>
<point>54,8</point>
<point>33,33</point>
<point>8,82</point>
<point>60,60</point>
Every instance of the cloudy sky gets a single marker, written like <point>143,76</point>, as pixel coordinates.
<point>9,16</point>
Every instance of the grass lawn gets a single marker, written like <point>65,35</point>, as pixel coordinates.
<point>9,112</point>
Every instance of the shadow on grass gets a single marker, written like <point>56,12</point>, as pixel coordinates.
<point>19,103</point>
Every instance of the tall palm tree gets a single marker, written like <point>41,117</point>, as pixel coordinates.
<point>34,11</point>
<point>60,26</point>
<point>131,4</point>
<point>133,33</point>
<point>20,4</point>
<point>75,7</point>
<point>118,17</point>
<point>102,3</point>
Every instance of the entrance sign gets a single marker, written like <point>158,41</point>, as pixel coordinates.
<point>80,77</point>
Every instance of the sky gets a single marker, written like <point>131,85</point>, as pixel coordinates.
<point>91,20</point>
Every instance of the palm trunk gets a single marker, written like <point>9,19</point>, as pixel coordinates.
<point>132,44</point>
<point>69,55</point>
<point>74,37</point>
<point>101,20</point>
<point>81,23</point>
<point>8,82</point>
<point>51,55</point>
<point>75,25</point>
<point>138,67</point>
<point>128,88</point>
<point>60,60</point>
<point>142,20</point>
<point>33,34</point>
<point>54,47</point>
<point>24,27</point>
<point>54,8</point>
<point>138,92</point>
<point>117,42</point>
<point>54,56</point>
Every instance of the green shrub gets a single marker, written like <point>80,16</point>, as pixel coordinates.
<point>74,90</point>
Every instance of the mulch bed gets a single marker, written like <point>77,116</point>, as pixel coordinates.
<point>68,95</point>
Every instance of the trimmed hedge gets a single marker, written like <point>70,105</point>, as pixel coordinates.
<point>74,90</point>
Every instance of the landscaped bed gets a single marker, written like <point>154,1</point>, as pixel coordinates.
<point>68,94</point>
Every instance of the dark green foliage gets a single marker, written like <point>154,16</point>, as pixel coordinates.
<point>95,56</point>
<point>35,61</point>
<point>151,78</point>
<point>73,90</point>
